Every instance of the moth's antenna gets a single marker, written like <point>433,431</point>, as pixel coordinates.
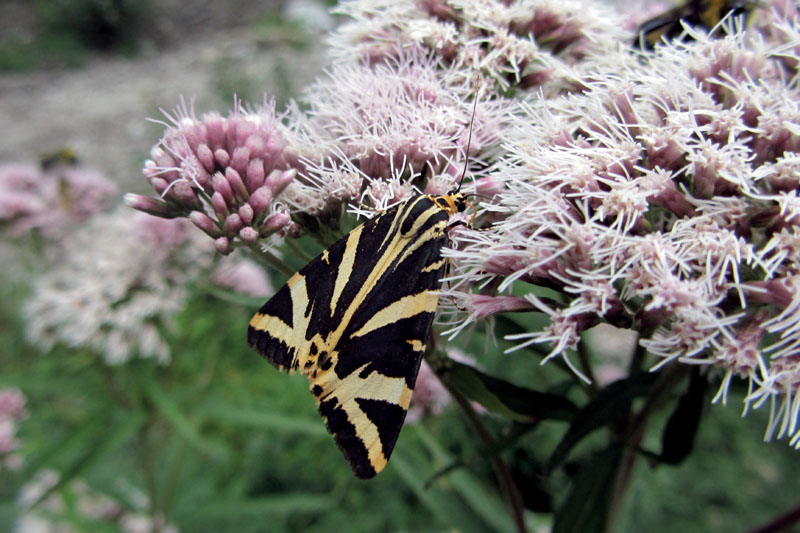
<point>469,141</point>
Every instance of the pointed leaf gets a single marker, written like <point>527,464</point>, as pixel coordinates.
<point>183,426</point>
<point>504,398</point>
<point>677,440</point>
<point>483,502</point>
<point>608,406</point>
<point>265,419</point>
<point>586,506</point>
<point>446,506</point>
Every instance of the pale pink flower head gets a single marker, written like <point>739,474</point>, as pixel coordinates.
<point>515,45</point>
<point>12,404</point>
<point>243,276</point>
<point>430,396</point>
<point>120,281</point>
<point>51,200</point>
<point>12,411</point>
<point>374,134</point>
<point>58,507</point>
<point>663,198</point>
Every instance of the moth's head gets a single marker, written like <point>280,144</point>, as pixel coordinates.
<point>452,203</point>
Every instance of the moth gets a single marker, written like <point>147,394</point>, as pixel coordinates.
<point>699,13</point>
<point>355,321</point>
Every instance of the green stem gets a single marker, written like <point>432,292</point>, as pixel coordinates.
<point>268,258</point>
<point>297,250</point>
<point>501,471</point>
<point>634,432</point>
<point>147,461</point>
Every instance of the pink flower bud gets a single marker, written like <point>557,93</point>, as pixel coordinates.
<point>149,205</point>
<point>237,185</point>
<point>233,223</point>
<point>274,223</point>
<point>219,205</point>
<point>255,175</point>
<point>485,305</point>
<point>663,151</point>
<point>183,193</point>
<point>223,158</point>
<point>248,234</point>
<point>223,186</point>
<point>260,200</point>
<point>223,245</point>
<point>158,183</point>
<point>162,159</point>
<point>278,180</point>
<point>240,159</point>
<point>257,145</point>
<point>204,222</point>
<point>206,157</point>
<point>216,129</point>
<point>246,213</point>
<point>203,179</point>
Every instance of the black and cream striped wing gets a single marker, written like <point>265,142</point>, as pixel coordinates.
<point>355,321</point>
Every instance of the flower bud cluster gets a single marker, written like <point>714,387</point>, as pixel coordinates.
<point>223,173</point>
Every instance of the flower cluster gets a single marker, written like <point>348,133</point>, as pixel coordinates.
<point>77,504</point>
<point>12,410</point>
<point>123,276</point>
<point>390,118</point>
<point>382,131</point>
<point>526,44</point>
<point>223,173</point>
<point>50,198</point>
<point>120,280</point>
<point>662,198</point>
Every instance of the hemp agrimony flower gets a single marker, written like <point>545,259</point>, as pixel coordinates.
<point>223,173</point>
<point>662,198</point>
<point>120,280</point>
<point>50,200</point>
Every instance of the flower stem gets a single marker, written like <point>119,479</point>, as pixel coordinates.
<point>501,471</point>
<point>268,258</point>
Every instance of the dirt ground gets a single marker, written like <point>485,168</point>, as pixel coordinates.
<point>100,110</point>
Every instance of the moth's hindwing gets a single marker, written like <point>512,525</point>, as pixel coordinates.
<point>355,321</point>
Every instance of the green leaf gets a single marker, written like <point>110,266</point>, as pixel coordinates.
<point>677,440</point>
<point>610,404</point>
<point>587,504</point>
<point>279,504</point>
<point>115,436</point>
<point>482,501</point>
<point>183,426</point>
<point>504,398</point>
<point>498,446</point>
<point>265,419</point>
<point>236,298</point>
<point>64,452</point>
<point>444,505</point>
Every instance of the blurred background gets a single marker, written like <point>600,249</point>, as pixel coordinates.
<point>87,73</point>
<point>211,438</point>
